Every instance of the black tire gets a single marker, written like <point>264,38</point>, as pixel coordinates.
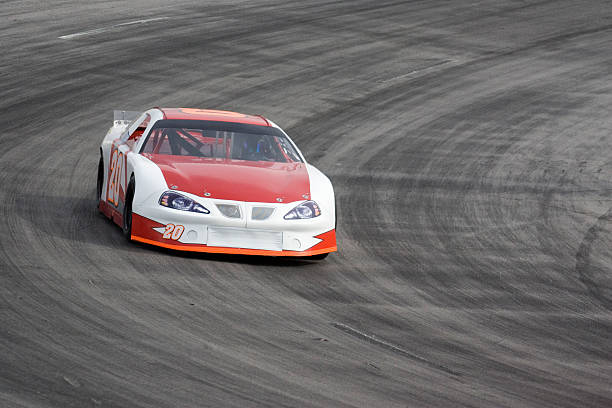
<point>100,182</point>
<point>319,257</point>
<point>127,210</point>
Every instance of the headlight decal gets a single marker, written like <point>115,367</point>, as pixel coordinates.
<point>308,209</point>
<point>174,200</point>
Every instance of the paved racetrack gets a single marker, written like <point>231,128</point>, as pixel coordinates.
<point>470,147</point>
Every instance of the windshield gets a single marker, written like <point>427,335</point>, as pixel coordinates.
<point>225,140</point>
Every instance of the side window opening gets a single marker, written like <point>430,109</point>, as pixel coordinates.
<point>138,132</point>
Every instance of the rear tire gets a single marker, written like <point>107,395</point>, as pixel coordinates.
<point>100,182</point>
<point>127,210</point>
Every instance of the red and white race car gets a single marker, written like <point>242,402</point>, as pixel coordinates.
<point>214,181</point>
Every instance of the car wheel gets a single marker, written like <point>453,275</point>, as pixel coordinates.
<point>319,256</point>
<point>100,182</point>
<point>127,210</point>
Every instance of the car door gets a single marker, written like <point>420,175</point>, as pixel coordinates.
<point>117,170</point>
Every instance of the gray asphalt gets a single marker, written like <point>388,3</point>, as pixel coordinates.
<point>469,145</point>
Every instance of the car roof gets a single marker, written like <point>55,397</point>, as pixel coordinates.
<point>213,115</point>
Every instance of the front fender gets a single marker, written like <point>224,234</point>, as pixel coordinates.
<point>322,192</point>
<point>149,180</point>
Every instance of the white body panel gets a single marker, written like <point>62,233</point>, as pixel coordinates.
<point>273,233</point>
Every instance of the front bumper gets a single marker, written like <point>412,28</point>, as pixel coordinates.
<point>186,235</point>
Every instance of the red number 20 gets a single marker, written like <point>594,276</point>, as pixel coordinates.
<point>173,232</point>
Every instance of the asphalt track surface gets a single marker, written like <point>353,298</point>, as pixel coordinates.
<point>469,145</point>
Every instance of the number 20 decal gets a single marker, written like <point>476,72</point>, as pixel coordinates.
<point>173,232</point>
<point>117,164</point>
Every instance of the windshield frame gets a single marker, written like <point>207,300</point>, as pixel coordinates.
<point>220,126</point>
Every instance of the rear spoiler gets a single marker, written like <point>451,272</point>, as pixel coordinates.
<point>121,117</point>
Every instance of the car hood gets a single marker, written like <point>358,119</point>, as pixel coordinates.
<point>239,180</point>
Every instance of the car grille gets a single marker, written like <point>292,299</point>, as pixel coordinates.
<point>244,238</point>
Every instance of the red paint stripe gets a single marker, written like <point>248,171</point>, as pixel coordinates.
<point>213,115</point>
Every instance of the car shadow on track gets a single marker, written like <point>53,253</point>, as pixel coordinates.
<point>230,258</point>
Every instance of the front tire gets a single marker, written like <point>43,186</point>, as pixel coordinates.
<point>319,257</point>
<point>127,210</point>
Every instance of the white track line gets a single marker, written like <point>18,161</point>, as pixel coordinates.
<point>109,28</point>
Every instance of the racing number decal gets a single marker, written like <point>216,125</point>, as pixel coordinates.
<point>117,164</point>
<point>173,232</point>
<point>168,231</point>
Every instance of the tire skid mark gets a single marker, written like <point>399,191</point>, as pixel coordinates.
<point>101,30</point>
<point>583,262</point>
<point>370,338</point>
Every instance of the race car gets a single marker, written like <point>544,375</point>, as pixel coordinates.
<point>214,181</point>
